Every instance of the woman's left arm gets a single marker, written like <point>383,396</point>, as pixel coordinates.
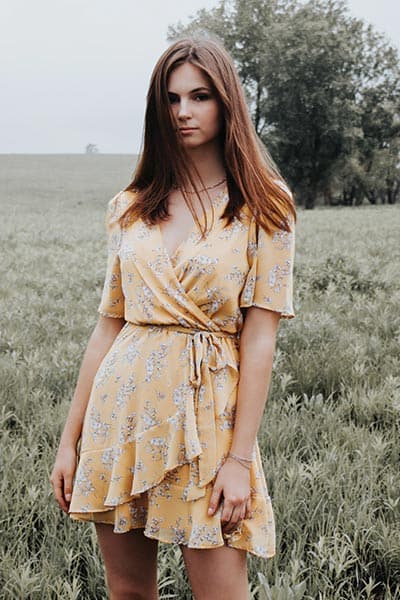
<point>256,351</point>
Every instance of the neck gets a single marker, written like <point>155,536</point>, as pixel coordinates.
<point>209,164</point>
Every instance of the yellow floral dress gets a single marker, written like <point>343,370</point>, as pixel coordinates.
<point>160,416</point>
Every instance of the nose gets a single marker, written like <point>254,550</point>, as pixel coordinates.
<point>184,109</point>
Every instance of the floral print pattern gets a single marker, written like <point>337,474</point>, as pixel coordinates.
<point>161,412</point>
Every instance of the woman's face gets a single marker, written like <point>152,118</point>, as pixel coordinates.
<point>194,106</point>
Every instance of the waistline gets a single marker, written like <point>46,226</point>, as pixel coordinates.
<point>186,330</point>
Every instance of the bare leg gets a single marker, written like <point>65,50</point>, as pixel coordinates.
<point>131,563</point>
<point>217,573</point>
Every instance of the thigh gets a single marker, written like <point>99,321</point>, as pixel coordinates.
<point>130,561</point>
<point>217,573</point>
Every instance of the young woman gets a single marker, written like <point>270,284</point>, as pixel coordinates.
<point>200,265</point>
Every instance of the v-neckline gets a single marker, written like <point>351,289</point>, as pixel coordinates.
<point>219,197</point>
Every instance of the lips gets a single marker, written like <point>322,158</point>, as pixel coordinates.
<point>187,128</point>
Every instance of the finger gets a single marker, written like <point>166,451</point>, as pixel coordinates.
<point>226,512</point>
<point>231,526</point>
<point>67,488</point>
<point>234,520</point>
<point>248,508</point>
<point>214,500</point>
<point>58,492</point>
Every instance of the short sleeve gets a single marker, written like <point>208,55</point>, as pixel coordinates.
<point>112,302</point>
<point>269,282</point>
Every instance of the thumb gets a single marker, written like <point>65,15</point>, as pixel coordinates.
<point>214,500</point>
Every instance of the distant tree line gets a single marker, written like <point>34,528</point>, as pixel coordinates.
<point>324,92</point>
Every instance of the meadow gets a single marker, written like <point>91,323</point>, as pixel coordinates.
<point>330,436</point>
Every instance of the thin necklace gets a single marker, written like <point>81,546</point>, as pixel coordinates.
<point>211,187</point>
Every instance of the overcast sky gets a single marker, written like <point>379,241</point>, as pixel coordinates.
<point>75,72</point>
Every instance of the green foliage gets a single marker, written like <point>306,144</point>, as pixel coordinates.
<point>330,432</point>
<point>323,90</point>
<point>280,591</point>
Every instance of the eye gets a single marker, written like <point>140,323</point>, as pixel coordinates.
<point>201,97</point>
<point>173,98</point>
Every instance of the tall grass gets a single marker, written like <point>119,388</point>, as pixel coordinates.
<point>330,432</point>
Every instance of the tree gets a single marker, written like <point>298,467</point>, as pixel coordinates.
<point>379,103</point>
<point>91,149</point>
<point>305,68</point>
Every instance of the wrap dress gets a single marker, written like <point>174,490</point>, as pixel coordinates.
<point>160,416</point>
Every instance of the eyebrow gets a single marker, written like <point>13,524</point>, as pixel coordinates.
<point>198,89</point>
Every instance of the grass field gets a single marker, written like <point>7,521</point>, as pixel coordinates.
<point>330,436</point>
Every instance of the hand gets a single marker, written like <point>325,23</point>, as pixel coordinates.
<point>233,483</point>
<point>62,476</point>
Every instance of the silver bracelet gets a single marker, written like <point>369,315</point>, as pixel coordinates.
<point>244,463</point>
<point>248,460</point>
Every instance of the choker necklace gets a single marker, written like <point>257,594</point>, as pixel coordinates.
<point>211,187</point>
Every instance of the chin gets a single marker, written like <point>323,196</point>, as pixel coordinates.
<point>191,143</point>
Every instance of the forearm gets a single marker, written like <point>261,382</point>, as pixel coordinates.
<point>256,359</point>
<point>99,343</point>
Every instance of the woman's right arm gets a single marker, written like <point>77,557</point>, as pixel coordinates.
<point>103,335</point>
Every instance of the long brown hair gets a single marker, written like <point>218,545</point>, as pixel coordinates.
<point>253,179</point>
